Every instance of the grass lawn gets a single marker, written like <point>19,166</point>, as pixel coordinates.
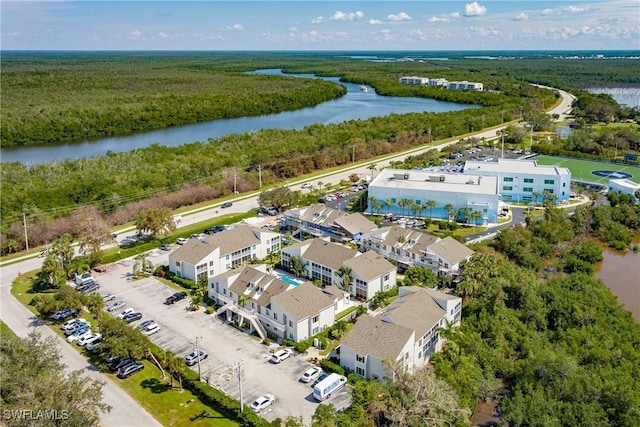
<point>170,406</point>
<point>581,169</point>
<point>5,330</point>
<point>22,290</point>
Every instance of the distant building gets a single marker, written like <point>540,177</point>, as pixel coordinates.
<point>519,179</point>
<point>625,186</point>
<point>465,85</point>
<point>222,251</point>
<point>438,83</point>
<point>406,332</point>
<point>478,193</point>
<point>321,221</point>
<point>414,80</point>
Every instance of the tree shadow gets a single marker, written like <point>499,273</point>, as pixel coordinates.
<point>204,415</point>
<point>155,385</point>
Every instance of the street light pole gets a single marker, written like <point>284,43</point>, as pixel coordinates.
<point>237,369</point>
<point>198,356</point>
<point>260,175</point>
<point>26,238</point>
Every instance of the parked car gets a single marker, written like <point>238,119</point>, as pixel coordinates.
<point>129,370</point>
<point>165,247</point>
<point>108,297</point>
<point>215,229</point>
<point>117,364</point>
<point>192,358</point>
<point>72,324</point>
<point>76,336</point>
<point>175,298</point>
<point>89,288</point>
<point>311,374</point>
<point>262,402</point>
<point>226,205</point>
<point>63,314</point>
<point>320,378</point>
<point>151,329</point>
<point>146,323</point>
<point>132,317</point>
<point>93,346</point>
<point>280,355</point>
<point>86,339</point>
<point>115,306</point>
<point>79,329</point>
<point>181,240</point>
<point>125,312</point>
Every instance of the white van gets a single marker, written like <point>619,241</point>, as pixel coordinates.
<point>331,384</point>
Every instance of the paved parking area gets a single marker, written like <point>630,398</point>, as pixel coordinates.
<point>226,345</point>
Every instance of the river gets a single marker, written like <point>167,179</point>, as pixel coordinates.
<point>355,104</point>
<point>620,271</point>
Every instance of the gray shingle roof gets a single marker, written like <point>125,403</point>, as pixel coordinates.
<point>329,254</point>
<point>370,265</point>
<point>193,251</point>
<point>304,300</point>
<point>233,239</point>
<point>372,336</point>
<point>414,241</point>
<point>257,285</point>
<point>355,223</point>
<point>451,250</point>
<point>415,310</point>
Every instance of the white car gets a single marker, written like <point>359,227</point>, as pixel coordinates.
<point>115,306</point>
<point>280,355</point>
<point>78,328</point>
<point>306,185</point>
<point>311,374</point>
<point>73,324</point>
<point>86,339</point>
<point>108,297</point>
<point>181,240</point>
<point>125,312</point>
<point>79,335</point>
<point>263,402</point>
<point>151,329</point>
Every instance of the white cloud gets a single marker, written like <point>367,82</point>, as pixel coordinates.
<point>135,34</point>
<point>455,15</point>
<point>293,29</point>
<point>439,19</point>
<point>317,20</point>
<point>521,17</point>
<point>238,27</point>
<point>162,35</point>
<point>375,21</point>
<point>474,9</point>
<point>575,9</point>
<point>386,35</point>
<point>400,17</point>
<point>346,16</point>
<point>547,12</point>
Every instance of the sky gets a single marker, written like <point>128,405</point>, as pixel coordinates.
<point>320,25</point>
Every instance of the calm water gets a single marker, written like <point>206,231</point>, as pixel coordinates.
<point>629,96</point>
<point>620,271</point>
<point>356,104</point>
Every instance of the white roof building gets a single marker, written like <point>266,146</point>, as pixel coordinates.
<point>625,186</point>
<point>414,80</point>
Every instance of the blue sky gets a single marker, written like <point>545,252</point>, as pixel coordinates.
<point>320,25</point>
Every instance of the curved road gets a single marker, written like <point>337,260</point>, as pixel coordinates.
<point>126,411</point>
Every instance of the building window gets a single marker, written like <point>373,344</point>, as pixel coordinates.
<point>275,316</point>
<point>315,319</point>
<point>315,330</point>
<point>360,372</point>
<point>210,263</point>
<point>527,199</point>
<point>528,180</point>
<point>359,358</point>
<point>549,181</point>
<point>508,179</point>
<point>418,202</point>
<point>564,184</point>
<point>224,291</point>
<point>548,190</point>
<point>527,189</point>
<point>386,277</point>
<point>507,188</point>
<point>211,272</point>
<point>507,198</point>
<point>290,324</point>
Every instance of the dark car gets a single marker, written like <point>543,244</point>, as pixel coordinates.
<point>129,370</point>
<point>215,229</point>
<point>132,317</point>
<point>175,298</point>
<point>226,205</point>
<point>117,364</point>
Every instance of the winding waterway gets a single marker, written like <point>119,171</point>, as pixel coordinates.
<point>355,104</point>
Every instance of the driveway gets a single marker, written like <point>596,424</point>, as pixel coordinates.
<point>225,345</point>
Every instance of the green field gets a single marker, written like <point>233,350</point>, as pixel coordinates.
<point>581,169</point>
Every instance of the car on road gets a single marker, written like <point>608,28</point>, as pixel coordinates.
<point>108,297</point>
<point>280,355</point>
<point>192,358</point>
<point>175,298</point>
<point>165,247</point>
<point>132,317</point>
<point>84,340</point>
<point>262,402</point>
<point>76,336</point>
<point>73,324</point>
<point>181,240</point>
<point>226,205</point>
<point>129,370</point>
<point>125,312</point>
<point>306,185</point>
<point>311,374</point>
<point>115,306</point>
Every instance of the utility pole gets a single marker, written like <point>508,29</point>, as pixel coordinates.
<point>198,355</point>
<point>235,189</point>
<point>26,238</point>
<point>502,143</point>
<point>260,175</point>
<point>237,369</point>
<point>353,154</point>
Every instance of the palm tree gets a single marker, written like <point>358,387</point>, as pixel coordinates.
<point>242,300</point>
<point>430,204</point>
<point>142,264</point>
<point>372,168</point>
<point>371,200</point>
<point>404,203</point>
<point>346,274</point>
<point>297,265</point>
<point>476,215</point>
<point>174,364</point>
<point>465,212</point>
<point>450,211</point>
<point>77,265</point>
<point>95,305</point>
<point>414,208</point>
<point>388,203</point>
<point>421,209</point>
<point>536,195</point>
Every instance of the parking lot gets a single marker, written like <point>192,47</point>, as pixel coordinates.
<point>225,345</point>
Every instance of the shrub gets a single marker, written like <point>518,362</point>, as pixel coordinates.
<point>303,346</point>
<point>128,252</point>
<point>209,310</point>
<point>329,366</point>
<point>266,341</point>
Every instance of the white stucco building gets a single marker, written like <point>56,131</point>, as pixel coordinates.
<point>476,192</point>
<point>414,80</point>
<point>625,186</point>
<point>222,251</point>
<point>519,179</point>
<point>406,332</point>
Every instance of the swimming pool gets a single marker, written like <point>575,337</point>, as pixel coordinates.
<point>289,280</point>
